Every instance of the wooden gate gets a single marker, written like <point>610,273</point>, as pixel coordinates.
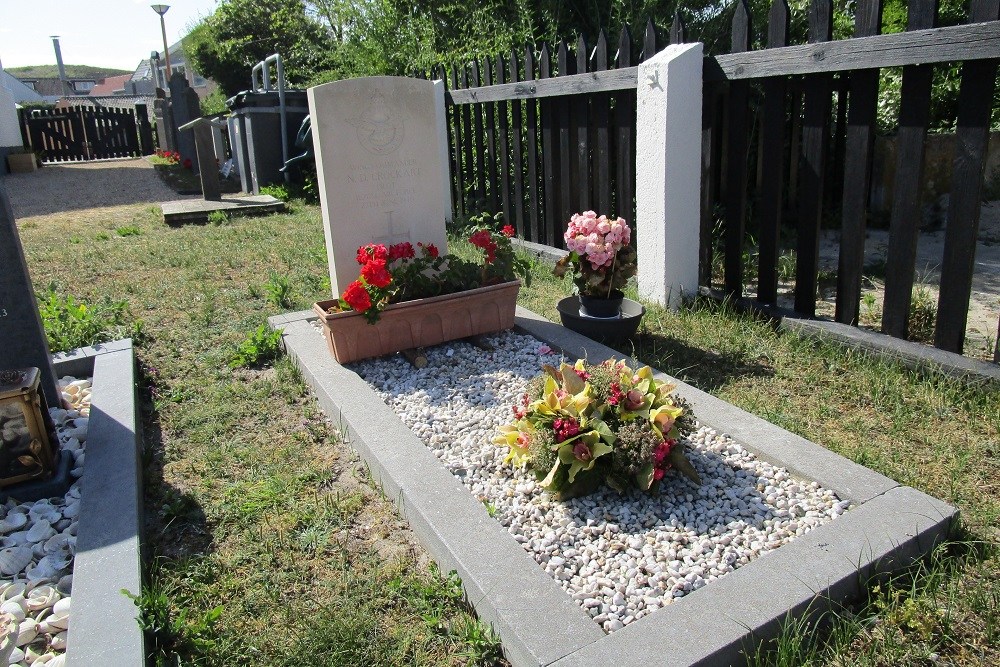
<point>82,133</point>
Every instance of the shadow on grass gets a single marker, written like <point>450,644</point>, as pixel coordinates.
<point>175,524</point>
<point>706,369</point>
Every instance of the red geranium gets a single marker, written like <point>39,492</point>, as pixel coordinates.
<point>430,250</point>
<point>357,297</point>
<point>375,273</point>
<point>375,251</point>
<point>483,239</point>
<point>508,231</point>
<point>401,251</point>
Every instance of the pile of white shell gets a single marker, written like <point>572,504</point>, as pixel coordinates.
<point>620,557</point>
<point>37,548</point>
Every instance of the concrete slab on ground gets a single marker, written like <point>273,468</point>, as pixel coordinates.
<point>105,629</point>
<point>197,210</point>
<point>887,527</point>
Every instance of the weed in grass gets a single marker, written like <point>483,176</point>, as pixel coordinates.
<point>923,314</point>
<point>172,632</point>
<point>278,290</point>
<point>128,230</point>
<point>277,191</point>
<point>101,236</point>
<point>70,324</point>
<point>218,218</point>
<point>261,346</point>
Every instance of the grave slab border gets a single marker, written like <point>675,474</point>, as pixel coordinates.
<point>538,623</point>
<point>104,628</point>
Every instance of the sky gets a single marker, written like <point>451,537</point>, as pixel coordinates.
<point>103,33</point>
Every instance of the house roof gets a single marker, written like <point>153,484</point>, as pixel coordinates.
<point>109,85</point>
<point>17,89</point>
<point>51,87</point>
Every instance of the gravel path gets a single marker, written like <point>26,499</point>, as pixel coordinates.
<point>59,188</point>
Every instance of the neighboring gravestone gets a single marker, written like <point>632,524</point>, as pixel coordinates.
<point>21,331</point>
<point>185,107</point>
<point>382,166</point>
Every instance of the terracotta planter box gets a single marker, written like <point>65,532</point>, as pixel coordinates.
<point>419,323</point>
<point>21,163</point>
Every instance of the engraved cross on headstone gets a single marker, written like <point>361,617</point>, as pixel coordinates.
<point>392,235</point>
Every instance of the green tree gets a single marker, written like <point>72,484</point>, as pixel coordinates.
<point>240,33</point>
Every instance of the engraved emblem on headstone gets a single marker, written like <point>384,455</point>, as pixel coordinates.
<point>378,126</point>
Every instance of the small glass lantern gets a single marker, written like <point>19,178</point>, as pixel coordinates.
<point>27,435</point>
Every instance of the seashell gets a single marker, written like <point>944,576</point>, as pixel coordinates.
<point>42,597</point>
<point>57,542</point>
<point>38,550</point>
<point>65,585</point>
<point>16,656</point>
<point>14,609</point>
<point>79,457</point>
<point>8,626</point>
<point>44,659</point>
<point>72,510</point>
<point>58,621</point>
<point>13,521</point>
<point>63,606</point>
<point>16,539</point>
<point>35,650</point>
<point>76,473</point>
<point>71,528</point>
<point>11,589</point>
<point>62,524</point>
<point>58,661</point>
<point>48,567</point>
<point>14,559</point>
<point>72,445</point>
<point>80,384</point>
<point>41,531</point>
<point>59,641</point>
<point>27,630</point>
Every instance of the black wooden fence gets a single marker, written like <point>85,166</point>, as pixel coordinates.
<point>87,133</point>
<point>538,140</point>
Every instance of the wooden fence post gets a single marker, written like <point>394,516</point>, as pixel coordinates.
<point>972,136</point>
<point>736,171</point>
<point>904,224</point>
<point>857,171</point>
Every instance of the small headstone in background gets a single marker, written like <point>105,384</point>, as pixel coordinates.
<point>23,338</point>
<point>185,108</point>
<point>381,165</point>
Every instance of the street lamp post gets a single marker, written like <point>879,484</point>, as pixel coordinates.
<point>161,10</point>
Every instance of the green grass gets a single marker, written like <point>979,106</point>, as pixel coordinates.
<point>252,503</point>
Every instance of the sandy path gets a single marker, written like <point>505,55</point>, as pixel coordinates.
<point>60,188</point>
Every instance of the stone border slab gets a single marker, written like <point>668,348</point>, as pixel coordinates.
<point>538,623</point>
<point>197,210</point>
<point>104,628</point>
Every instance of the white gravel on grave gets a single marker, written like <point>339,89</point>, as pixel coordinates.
<point>620,557</point>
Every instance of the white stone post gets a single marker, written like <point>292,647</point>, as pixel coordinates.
<point>668,173</point>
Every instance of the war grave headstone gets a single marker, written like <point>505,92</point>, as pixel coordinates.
<point>382,166</point>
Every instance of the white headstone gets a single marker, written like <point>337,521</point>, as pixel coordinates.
<point>382,166</point>
<point>668,173</point>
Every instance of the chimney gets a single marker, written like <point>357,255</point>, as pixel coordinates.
<point>59,60</point>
